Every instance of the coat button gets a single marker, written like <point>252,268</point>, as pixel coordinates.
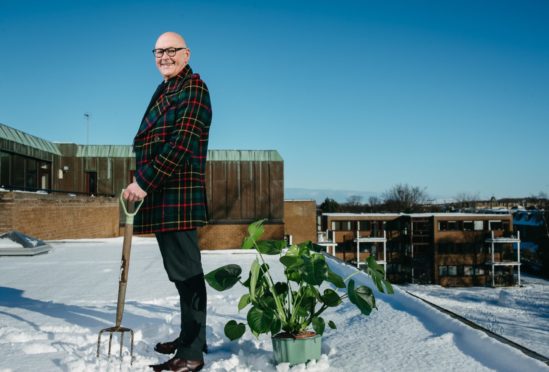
<point>156,138</point>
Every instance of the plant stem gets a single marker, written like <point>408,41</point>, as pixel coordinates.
<point>353,274</point>
<point>279,306</point>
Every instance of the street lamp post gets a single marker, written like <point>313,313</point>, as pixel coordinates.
<point>87,116</point>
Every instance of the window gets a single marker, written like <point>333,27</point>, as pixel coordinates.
<point>452,270</point>
<point>478,271</point>
<point>341,225</point>
<point>365,226</point>
<point>4,169</point>
<point>448,226</point>
<point>468,270</point>
<point>31,174</point>
<point>452,226</point>
<point>495,225</point>
<point>18,171</point>
<point>479,225</point>
<point>443,270</point>
<point>468,226</point>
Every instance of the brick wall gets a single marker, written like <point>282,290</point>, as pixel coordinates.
<point>230,236</point>
<point>60,216</point>
<point>300,220</point>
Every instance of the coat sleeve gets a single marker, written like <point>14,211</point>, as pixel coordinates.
<point>193,111</point>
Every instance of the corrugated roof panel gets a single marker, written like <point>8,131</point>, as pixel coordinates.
<point>104,151</point>
<point>244,155</point>
<point>15,135</point>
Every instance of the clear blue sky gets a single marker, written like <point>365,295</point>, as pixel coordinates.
<point>355,95</point>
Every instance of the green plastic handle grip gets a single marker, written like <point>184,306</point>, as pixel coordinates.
<point>129,216</point>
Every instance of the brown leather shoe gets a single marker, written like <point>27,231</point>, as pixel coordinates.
<point>166,347</point>
<point>179,365</point>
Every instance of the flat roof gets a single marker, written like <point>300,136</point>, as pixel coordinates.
<point>486,215</point>
<point>243,155</point>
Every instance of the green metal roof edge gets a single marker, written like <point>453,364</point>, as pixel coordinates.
<point>126,151</point>
<point>15,135</point>
<point>104,151</point>
<point>244,155</point>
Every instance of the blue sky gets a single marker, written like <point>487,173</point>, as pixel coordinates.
<point>452,96</point>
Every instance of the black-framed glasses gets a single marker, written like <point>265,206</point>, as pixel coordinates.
<point>159,52</point>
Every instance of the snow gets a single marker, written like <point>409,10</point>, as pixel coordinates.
<point>52,307</point>
<point>519,314</point>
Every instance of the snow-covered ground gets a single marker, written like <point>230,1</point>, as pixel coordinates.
<point>519,314</point>
<point>52,307</point>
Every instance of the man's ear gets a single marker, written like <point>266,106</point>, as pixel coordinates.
<point>187,55</point>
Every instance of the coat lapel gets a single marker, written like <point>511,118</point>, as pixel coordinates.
<point>158,107</point>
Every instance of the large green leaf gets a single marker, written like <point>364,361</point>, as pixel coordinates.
<point>362,297</point>
<point>330,298</point>
<point>248,243</point>
<point>316,269</point>
<point>291,261</point>
<point>319,325</point>
<point>254,275</point>
<point>281,288</point>
<point>234,330</point>
<point>270,247</point>
<point>378,276</point>
<point>275,326</point>
<point>224,277</point>
<point>244,301</point>
<point>255,231</point>
<point>259,320</point>
<point>335,279</point>
<point>305,248</point>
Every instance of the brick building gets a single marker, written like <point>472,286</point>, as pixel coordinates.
<point>450,249</point>
<point>73,189</point>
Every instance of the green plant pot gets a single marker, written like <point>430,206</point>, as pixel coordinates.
<point>296,350</point>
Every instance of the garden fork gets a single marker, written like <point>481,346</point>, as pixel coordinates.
<point>117,328</point>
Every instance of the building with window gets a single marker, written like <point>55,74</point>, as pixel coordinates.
<point>450,249</point>
<point>242,186</point>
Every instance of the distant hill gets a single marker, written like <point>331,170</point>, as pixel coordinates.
<point>320,194</point>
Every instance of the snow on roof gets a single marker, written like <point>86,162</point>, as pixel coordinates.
<point>455,214</point>
<point>68,295</point>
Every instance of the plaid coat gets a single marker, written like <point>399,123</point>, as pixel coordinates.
<point>170,149</point>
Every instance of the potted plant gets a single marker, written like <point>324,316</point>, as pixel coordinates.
<point>288,309</point>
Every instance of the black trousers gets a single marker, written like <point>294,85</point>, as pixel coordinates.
<point>182,261</point>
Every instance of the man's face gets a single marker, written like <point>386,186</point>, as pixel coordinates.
<point>170,66</point>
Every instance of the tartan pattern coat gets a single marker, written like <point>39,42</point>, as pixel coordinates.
<point>170,149</point>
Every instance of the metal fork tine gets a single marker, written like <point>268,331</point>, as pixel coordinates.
<point>121,342</point>
<point>131,347</point>
<point>110,343</point>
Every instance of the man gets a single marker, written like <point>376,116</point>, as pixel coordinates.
<point>170,148</point>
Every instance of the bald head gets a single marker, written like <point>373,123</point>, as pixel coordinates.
<point>171,37</point>
<point>170,66</point>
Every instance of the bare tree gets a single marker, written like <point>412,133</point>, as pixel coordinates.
<point>465,199</point>
<point>405,198</point>
<point>375,203</point>
<point>354,200</point>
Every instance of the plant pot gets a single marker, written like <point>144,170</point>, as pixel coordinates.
<point>296,350</point>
